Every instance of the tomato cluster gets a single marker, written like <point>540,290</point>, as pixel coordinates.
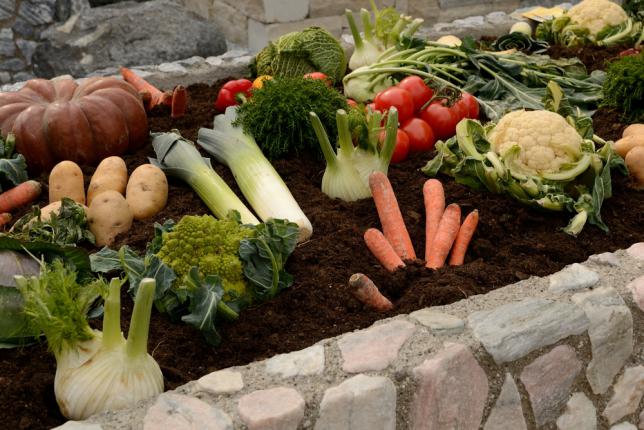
<point>422,120</point>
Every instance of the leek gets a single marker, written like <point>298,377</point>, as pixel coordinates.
<point>179,157</point>
<point>346,176</point>
<point>95,371</point>
<point>257,179</point>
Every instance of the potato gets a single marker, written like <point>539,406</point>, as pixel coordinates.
<point>45,213</point>
<point>626,144</point>
<point>633,130</point>
<point>108,215</point>
<point>111,174</point>
<point>635,163</point>
<point>66,180</point>
<point>147,191</point>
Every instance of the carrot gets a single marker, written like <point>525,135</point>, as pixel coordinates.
<point>445,236</point>
<point>366,291</point>
<point>19,196</point>
<point>393,225</point>
<point>463,238</point>
<point>434,197</point>
<point>179,101</point>
<point>5,218</point>
<point>141,85</point>
<point>382,250</point>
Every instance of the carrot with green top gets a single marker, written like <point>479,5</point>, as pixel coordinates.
<point>382,250</point>
<point>434,197</point>
<point>447,231</point>
<point>463,238</point>
<point>366,291</point>
<point>19,196</point>
<point>393,225</point>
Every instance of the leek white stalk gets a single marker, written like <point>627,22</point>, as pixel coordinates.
<point>179,157</point>
<point>95,372</point>
<point>346,176</point>
<point>256,177</point>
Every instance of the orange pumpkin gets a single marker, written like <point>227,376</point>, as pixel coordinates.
<point>58,119</point>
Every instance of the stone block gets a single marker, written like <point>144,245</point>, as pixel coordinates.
<point>637,288</point>
<point>507,413</point>
<point>27,48</point>
<point>320,8</point>
<point>374,348</point>
<point>278,408</point>
<point>425,9</point>
<point>78,425</point>
<point>221,382</point>
<point>173,411</point>
<point>513,330</point>
<point>439,322</point>
<point>548,380</point>
<point>7,9</point>
<point>580,414</point>
<point>610,332</point>
<point>259,34</point>
<point>7,46</point>
<point>233,23</point>
<point>636,251</point>
<point>200,7</point>
<point>628,394</point>
<point>605,259</point>
<point>309,361</point>
<point>38,12</point>
<point>452,391</point>
<point>573,277</point>
<point>285,10</point>
<point>359,403</point>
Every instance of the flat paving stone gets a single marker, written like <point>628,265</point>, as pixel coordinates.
<point>507,413</point>
<point>624,426</point>
<point>512,331</point>
<point>548,380</point>
<point>359,403</point>
<point>374,348</point>
<point>627,396</point>
<point>174,411</point>
<point>439,322</point>
<point>580,414</point>
<point>610,332</point>
<point>573,277</point>
<point>221,382</point>
<point>452,391</point>
<point>636,251</point>
<point>605,259</point>
<point>637,288</point>
<point>307,362</point>
<point>278,408</point>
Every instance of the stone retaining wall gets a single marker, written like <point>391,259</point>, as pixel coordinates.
<point>564,351</point>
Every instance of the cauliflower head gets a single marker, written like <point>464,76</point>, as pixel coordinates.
<point>597,14</point>
<point>210,244</point>
<point>546,141</point>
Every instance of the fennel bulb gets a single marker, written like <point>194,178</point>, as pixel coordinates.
<point>178,157</point>
<point>346,176</point>
<point>257,179</point>
<point>95,372</point>
<point>365,52</point>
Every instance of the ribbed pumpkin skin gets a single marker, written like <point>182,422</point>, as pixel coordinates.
<point>55,120</point>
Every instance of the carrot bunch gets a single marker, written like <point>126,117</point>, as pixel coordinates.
<point>444,235</point>
<point>152,96</point>
<point>16,197</point>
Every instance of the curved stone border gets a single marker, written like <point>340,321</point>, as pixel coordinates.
<point>564,351</point>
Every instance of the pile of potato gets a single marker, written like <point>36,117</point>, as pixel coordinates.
<point>631,148</point>
<point>113,201</point>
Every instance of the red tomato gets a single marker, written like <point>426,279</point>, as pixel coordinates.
<point>472,104</point>
<point>352,103</point>
<point>400,99</point>
<point>461,109</point>
<point>441,119</point>
<point>401,150</point>
<point>421,136</point>
<point>420,92</point>
<point>320,76</point>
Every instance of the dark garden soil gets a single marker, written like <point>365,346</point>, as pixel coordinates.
<point>512,243</point>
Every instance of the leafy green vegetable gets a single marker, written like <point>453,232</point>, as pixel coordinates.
<point>67,227</point>
<point>624,87</point>
<point>277,115</point>
<point>13,167</point>
<point>295,54</point>
<point>579,186</point>
<point>634,9</point>
<point>521,42</point>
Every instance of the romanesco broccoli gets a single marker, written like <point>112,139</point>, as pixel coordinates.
<point>210,244</point>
